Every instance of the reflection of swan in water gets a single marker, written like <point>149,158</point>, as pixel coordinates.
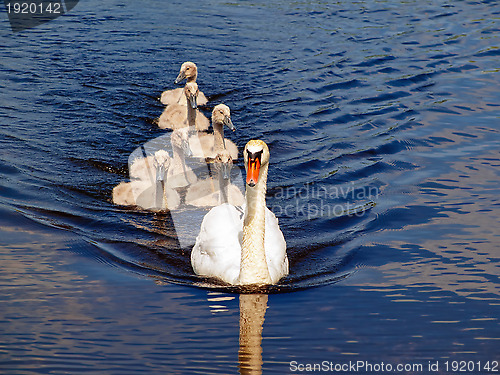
<point>243,247</point>
<point>147,188</point>
<point>180,174</point>
<point>208,145</point>
<point>188,71</point>
<point>252,314</point>
<point>177,116</point>
<point>215,191</point>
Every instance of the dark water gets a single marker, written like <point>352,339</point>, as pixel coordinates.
<point>382,120</point>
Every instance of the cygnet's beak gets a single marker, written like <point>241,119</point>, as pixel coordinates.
<point>226,170</point>
<point>180,77</point>
<point>192,101</point>
<point>160,172</point>
<point>229,123</point>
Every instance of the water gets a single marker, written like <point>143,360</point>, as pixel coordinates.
<point>382,121</point>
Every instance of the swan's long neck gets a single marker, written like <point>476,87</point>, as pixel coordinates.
<point>253,269</point>
<point>218,137</point>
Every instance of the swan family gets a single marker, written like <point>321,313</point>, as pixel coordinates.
<point>239,241</point>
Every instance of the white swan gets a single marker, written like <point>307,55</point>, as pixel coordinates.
<point>207,145</point>
<point>215,191</point>
<point>188,71</point>
<point>243,246</point>
<point>147,188</point>
<point>177,116</point>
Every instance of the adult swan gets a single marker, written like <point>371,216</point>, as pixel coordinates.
<point>243,246</point>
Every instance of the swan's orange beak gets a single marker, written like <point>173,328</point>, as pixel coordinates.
<point>253,171</point>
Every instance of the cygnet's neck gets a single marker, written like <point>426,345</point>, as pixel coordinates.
<point>178,163</point>
<point>218,137</point>
<point>191,113</point>
<point>253,269</point>
<point>223,187</point>
<point>161,199</point>
<point>159,194</point>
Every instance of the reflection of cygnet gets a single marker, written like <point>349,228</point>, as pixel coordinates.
<point>215,191</point>
<point>188,71</point>
<point>207,145</point>
<point>147,188</point>
<point>164,196</point>
<point>177,116</point>
<point>180,174</point>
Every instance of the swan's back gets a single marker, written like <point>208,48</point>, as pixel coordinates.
<point>217,251</point>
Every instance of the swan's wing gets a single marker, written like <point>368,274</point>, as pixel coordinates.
<point>275,245</point>
<point>201,99</point>
<point>235,195</point>
<point>143,169</point>
<point>232,148</point>
<point>172,96</point>
<point>173,117</point>
<point>123,195</point>
<point>217,251</point>
<point>202,122</point>
<point>173,199</point>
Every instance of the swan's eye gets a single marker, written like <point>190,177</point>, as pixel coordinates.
<point>254,155</point>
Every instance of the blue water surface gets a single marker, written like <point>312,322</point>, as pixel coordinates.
<point>382,119</point>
